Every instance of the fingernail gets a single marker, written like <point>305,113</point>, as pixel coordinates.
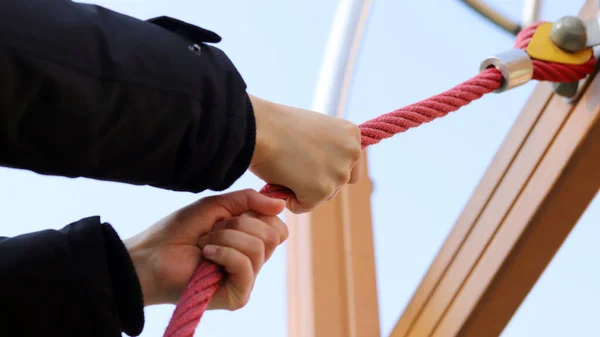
<point>210,251</point>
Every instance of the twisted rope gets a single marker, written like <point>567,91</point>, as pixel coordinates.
<point>208,276</point>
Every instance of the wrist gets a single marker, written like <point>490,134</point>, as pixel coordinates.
<point>263,114</point>
<point>140,256</point>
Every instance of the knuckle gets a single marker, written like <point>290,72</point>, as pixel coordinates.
<point>221,225</point>
<point>355,153</point>
<point>258,250</point>
<point>347,124</point>
<point>220,236</point>
<point>248,192</point>
<point>235,223</point>
<point>354,178</point>
<point>343,176</point>
<point>211,199</point>
<point>326,187</point>
<point>242,301</point>
<point>272,239</point>
<point>285,233</point>
<point>352,129</point>
<point>353,150</point>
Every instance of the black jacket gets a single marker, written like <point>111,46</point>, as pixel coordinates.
<point>87,92</point>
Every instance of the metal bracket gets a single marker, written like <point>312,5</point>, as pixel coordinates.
<point>573,34</point>
<point>572,92</point>
<point>569,34</point>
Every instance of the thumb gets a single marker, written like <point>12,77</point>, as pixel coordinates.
<point>236,203</point>
<point>262,204</point>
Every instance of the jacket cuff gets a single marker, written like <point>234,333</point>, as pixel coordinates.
<point>124,282</point>
<point>244,158</point>
<point>125,291</point>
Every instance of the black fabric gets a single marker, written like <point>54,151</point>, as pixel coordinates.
<point>87,92</point>
<point>77,281</point>
<point>183,28</point>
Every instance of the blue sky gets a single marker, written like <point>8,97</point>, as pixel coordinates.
<point>423,178</point>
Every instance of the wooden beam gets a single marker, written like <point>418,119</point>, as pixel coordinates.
<point>565,182</point>
<point>332,290</point>
<point>539,183</point>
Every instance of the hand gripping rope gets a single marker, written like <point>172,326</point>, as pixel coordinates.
<point>498,74</point>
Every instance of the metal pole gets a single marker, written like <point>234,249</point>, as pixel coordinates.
<point>342,48</point>
<point>531,12</point>
<point>494,16</point>
<point>304,276</point>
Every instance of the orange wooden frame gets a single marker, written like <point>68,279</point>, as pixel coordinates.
<point>535,190</point>
<point>533,193</point>
<point>332,290</point>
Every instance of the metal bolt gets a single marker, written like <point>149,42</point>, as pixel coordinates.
<point>568,90</point>
<point>569,33</point>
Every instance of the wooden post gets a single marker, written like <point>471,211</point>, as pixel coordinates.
<point>532,195</point>
<point>332,290</point>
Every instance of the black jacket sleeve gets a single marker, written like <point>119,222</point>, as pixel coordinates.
<point>77,281</point>
<point>87,92</point>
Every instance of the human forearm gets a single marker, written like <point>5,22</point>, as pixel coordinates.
<point>89,92</point>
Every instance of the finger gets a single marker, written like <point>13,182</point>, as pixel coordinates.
<point>240,274</point>
<point>277,223</point>
<point>250,200</point>
<point>249,245</point>
<point>236,203</point>
<point>296,207</point>
<point>356,172</point>
<point>219,207</point>
<point>271,230</point>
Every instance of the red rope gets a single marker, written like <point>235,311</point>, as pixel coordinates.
<point>207,277</point>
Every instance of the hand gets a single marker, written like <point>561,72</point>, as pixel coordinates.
<point>246,231</point>
<point>310,153</point>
